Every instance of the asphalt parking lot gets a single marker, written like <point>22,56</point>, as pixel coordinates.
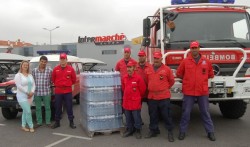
<point>229,133</point>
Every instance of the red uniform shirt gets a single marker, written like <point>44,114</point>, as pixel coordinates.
<point>195,76</point>
<point>63,79</point>
<point>142,72</point>
<point>121,66</point>
<point>159,82</point>
<point>133,88</point>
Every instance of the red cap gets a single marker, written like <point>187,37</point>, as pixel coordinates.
<point>157,55</point>
<point>127,50</point>
<point>63,56</point>
<point>141,53</point>
<point>194,44</point>
<point>131,63</point>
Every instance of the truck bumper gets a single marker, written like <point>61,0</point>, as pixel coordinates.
<point>7,104</point>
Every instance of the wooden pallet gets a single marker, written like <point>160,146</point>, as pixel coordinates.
<point>104,132</point>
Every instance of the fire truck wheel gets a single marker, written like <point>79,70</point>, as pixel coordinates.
<point>9,113</point>
<point>233,109</point>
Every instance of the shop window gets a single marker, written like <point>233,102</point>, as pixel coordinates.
<point>108,52</point>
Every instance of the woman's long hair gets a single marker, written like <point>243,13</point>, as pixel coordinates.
<point>24,61</point>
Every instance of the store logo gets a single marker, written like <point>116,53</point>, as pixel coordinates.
<point>104,40</point>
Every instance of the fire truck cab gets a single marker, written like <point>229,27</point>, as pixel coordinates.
<point>222,28</point>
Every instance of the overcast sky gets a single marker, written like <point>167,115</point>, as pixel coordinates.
<point>25,19</point>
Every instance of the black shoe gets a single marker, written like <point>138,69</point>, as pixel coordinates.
<point>138,134</point>
<point>157,131</point>
<point>181,136</point>
<point>170,137</point>
<point>151,134</point>
<point>55,125</point>
<point>142,123</point>
<point>128,133</point>
<point>48,125</point>
<point>211,136</point>
<point>72,125</point>
<point>37,126</point>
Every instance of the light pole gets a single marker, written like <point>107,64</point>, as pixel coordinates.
<point>50,30</point>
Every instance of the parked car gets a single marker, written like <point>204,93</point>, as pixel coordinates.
<point>8,101</point>
<point>9,64</point>
<point>90,64</point>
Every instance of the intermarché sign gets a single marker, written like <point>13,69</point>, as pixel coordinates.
<point>104,40</point>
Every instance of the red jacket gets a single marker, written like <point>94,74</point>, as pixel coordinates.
<point>159,82</point>
<point>63,79</point>
<point>121,66</point>
<point>133,88</point>
<point>195,76</point>
<point>142,72</point>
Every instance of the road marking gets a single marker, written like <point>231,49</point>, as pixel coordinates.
<point>67,136</point>
<point>57,142</point>
<point>2,125</point>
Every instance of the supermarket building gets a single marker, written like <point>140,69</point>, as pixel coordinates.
<point>108,49</point>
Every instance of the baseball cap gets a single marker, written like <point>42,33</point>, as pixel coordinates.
<point>141,53</point>
<point>63,56</point>
<point>127,50</point>
<point>130,63</point>
<point>157,55</point>
<point>194,44</point>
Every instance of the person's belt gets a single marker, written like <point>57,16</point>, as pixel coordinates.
<point>64,87</point>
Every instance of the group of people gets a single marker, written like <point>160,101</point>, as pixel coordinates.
<point>153,82</point>
<point>36,85</point>
<point>139,81</point>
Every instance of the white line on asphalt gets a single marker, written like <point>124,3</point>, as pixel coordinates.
<point>67,135</point>
<point>57,142</point>
<point>2,124</point>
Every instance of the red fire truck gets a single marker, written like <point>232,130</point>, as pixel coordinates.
<point>222,28</point>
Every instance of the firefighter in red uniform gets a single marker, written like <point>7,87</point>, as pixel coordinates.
<point>160,79</point>
<point>195,71</point>
<point>133,87</point>
<point>63,77</point>
<point>121,65</point>
<point>141,69</point>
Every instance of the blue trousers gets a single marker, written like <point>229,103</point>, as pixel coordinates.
<point>67,99</point>
<point>156,107</point>
<point>187,105</point>
<point>133,119</point>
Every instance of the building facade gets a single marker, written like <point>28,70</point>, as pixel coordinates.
<point>106,49</point>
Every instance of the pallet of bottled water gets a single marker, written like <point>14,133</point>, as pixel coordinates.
<point>100,100</point>
<point>100,94</point>
<point>100,79</point>
<point>102,123</point>
<point>101,108</point>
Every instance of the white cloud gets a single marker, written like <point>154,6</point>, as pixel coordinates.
<point>24,19</point>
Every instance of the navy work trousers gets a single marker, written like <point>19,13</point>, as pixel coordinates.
<point>67,99</point>
<point>187,105</point>
<point>156,107</point>
<point>133,119</point>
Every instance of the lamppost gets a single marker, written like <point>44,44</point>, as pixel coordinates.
<point>50,30</point>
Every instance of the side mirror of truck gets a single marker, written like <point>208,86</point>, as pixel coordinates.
<point>146,27</point>
<point>146,42</point>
